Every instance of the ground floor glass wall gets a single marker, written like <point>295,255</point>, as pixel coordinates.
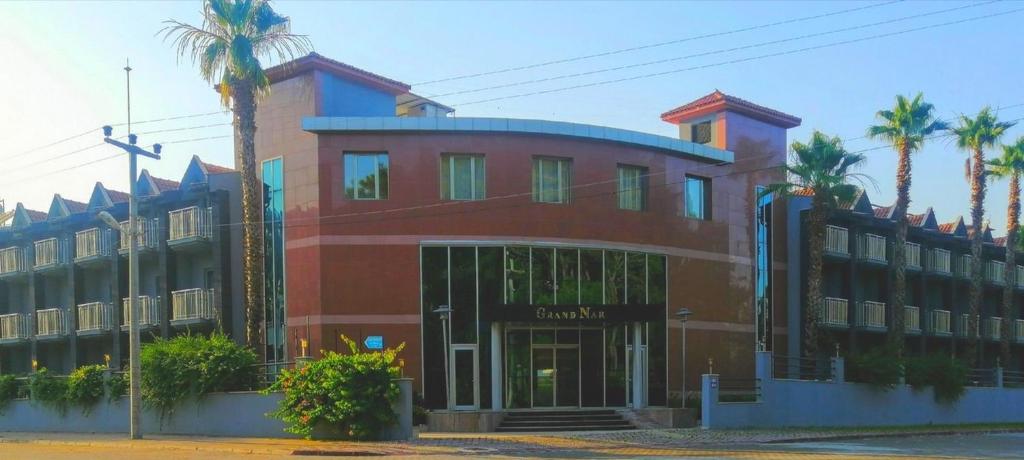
<point>543,364</point>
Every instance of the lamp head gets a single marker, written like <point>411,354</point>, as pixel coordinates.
<point>684,314</point>
<point>108,219</point>
<point>132,139</point>
<point>157,148</point>
<point>107,131</point>
<point>443,311</point>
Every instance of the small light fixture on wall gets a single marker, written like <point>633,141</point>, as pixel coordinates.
<point>106,359</point>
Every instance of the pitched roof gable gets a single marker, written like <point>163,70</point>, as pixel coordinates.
<point>719,101</point>
<point>102,198</point>
<point>150,185</point>
<point>61,207</point>
<point>314,61</point>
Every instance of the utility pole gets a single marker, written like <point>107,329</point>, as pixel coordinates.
<point>135,370</point>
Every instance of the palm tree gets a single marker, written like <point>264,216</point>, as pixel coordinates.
<point>972,136</point>
<point>1010,165</point>
<point>905,127</point>
<point>228,46</point>
<point>822,167</point>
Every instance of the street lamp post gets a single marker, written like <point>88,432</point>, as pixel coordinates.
<point>444,312</point>
<point>684,314</point>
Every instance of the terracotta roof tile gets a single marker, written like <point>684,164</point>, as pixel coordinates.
<point>75,207</point>
<point>916,220</point>
<point>734,103</point>
<point>216,169</point>
<point>318,62</point>
<point>117,196</point>
<point>999,241</point>
<point>883,212</point>
<point>165,185</point>
<point>36,216</point>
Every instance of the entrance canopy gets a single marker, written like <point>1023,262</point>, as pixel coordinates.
<point>574,313</point>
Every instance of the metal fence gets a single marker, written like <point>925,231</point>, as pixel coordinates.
<point>739,390</point>
<point>50,252</point>
<point>190,304</point>
<point>837,240</point>
<point>871,247</point>
<point>95,316</point>
<point>835,312</point>
<point>871,314</point>
<point>93,242</point>
<point>51,321</point>
<point>938,261</point>
<point>147,236</point>
<point>14,326</point>
<point>913,253</point>
<point>12,260</point>
<point>1013,379</point>
<point>149,311</point>
<point>800,368</point>
<point>981,378</point>
<point>192,222</point>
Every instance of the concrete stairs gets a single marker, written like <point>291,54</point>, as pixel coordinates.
<point>568,420</point>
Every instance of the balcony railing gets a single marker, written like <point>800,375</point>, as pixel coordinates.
<point>995,272</point>
<point>1018,330</point>
<point>51,322</point>
<point>871,314</point>
<point>938,261</point>
<point>192,304</point>
<point>147,237</point>
<point>12,260</point>
<point>871,247</point>
<point>191,223</point>
<point>992,328</point>
<point>913,252</point>
<point>15,326</point>
<point>1019,276</point>
<point>940,324</point>
<point>91,243</point>
<point>962,326</point>
<point>149,312</point>
<point>837,240</point>
<point>95,317</point>
<point>962,265</point>
<point>51,252</point>
<point>912,319</point>
<point>835,312</point>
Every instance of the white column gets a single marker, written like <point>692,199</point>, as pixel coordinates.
<point>496,381</point>
<point>638,375</point>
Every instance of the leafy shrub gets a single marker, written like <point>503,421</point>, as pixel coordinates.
<point>117,386</point>
<point>945,374</point>
<point>879,367</point>
<point>8,390</point>
<point>191,366</point>
<point>419,412</point>
<point>348,396</point>
<point>85,386</point>
<point>49,389</point>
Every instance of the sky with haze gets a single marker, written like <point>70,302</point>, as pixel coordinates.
<point>62,75</point>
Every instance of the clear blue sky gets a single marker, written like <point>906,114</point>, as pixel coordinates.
<point>62,75</point>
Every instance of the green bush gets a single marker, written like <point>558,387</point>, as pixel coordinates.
<point>85,386</point>
<point>49,389</point>
<point>191,366</point>
<point>879,367</point>
<point>117,386</point>
<point>945,374</point>
<point>346,396</point>
<point>419,412</point>
<point>8,390</point>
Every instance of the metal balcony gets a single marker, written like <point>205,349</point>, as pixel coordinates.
<point>835,313</point>
<point>837,241</point>
<point>92,246</point>
<point>963,326</point>
<point>995,272</point>
<point>939,323</point>
<point>962,265</point>
<point>51,254</point>
<point>871,248</point>
<point>912,319</point>
<point>148,237</point>
<point>190,306</point>
<point>992,328</point>
<point>149,312</point>
<point>938,262</point>
<point>871,315</point>
<point>51,323</point>
<point>15,328</point>
<point>913,255</point>
<point>1019,277</point>
<point>190,226</point>
<point>12,262</point>
<point>1018,330</point>
<point>95,318</point>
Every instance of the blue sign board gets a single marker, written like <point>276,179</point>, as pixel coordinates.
<point>374,342</point>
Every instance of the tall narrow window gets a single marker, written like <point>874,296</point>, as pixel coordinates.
<point>273,260</point>
<point>463,177</point>
<point>552,179</point>
<point>366,176</point>
<point>697,198</point>
<point>632,187</point>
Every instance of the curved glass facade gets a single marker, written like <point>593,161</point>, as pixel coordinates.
<point>544,363</point>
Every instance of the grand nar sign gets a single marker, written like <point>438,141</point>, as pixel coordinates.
<point>575,313</point>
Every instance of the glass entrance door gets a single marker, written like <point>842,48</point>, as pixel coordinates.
<point>543,377</point>
<point>556,376</point>
<point>464,390</point>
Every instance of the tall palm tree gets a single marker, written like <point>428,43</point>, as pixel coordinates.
<point>905,127</point>
<point>1010,165</point>
<point>822,167</point>
<point>973,135</point>
<point>234,36</point>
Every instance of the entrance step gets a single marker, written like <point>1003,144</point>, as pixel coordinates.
<point>564,420</point>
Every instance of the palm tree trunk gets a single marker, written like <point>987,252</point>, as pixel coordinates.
<point>815,296</point>
<point>977,213</point>
<point>1012,215</point>
<point>244,110</point>
<point>899,291</point>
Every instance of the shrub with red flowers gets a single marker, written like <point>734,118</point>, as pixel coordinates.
<point>341,395</point>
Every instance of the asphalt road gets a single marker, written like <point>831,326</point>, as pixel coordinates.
<point>988,446</point>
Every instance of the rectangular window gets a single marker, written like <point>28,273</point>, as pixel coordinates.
<point>366,176</point>
<point>274,315</point>
<point>701,132</point>
<point>697,197</point>
<point>463,177</point>
<point>552,179</point>
<point>632,187</point>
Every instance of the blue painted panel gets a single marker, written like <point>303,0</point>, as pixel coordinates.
<point>344,98</point>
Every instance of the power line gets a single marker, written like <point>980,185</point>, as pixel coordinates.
<point>710,53</point>
<point>740,60</point>
<point>654,45</point>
